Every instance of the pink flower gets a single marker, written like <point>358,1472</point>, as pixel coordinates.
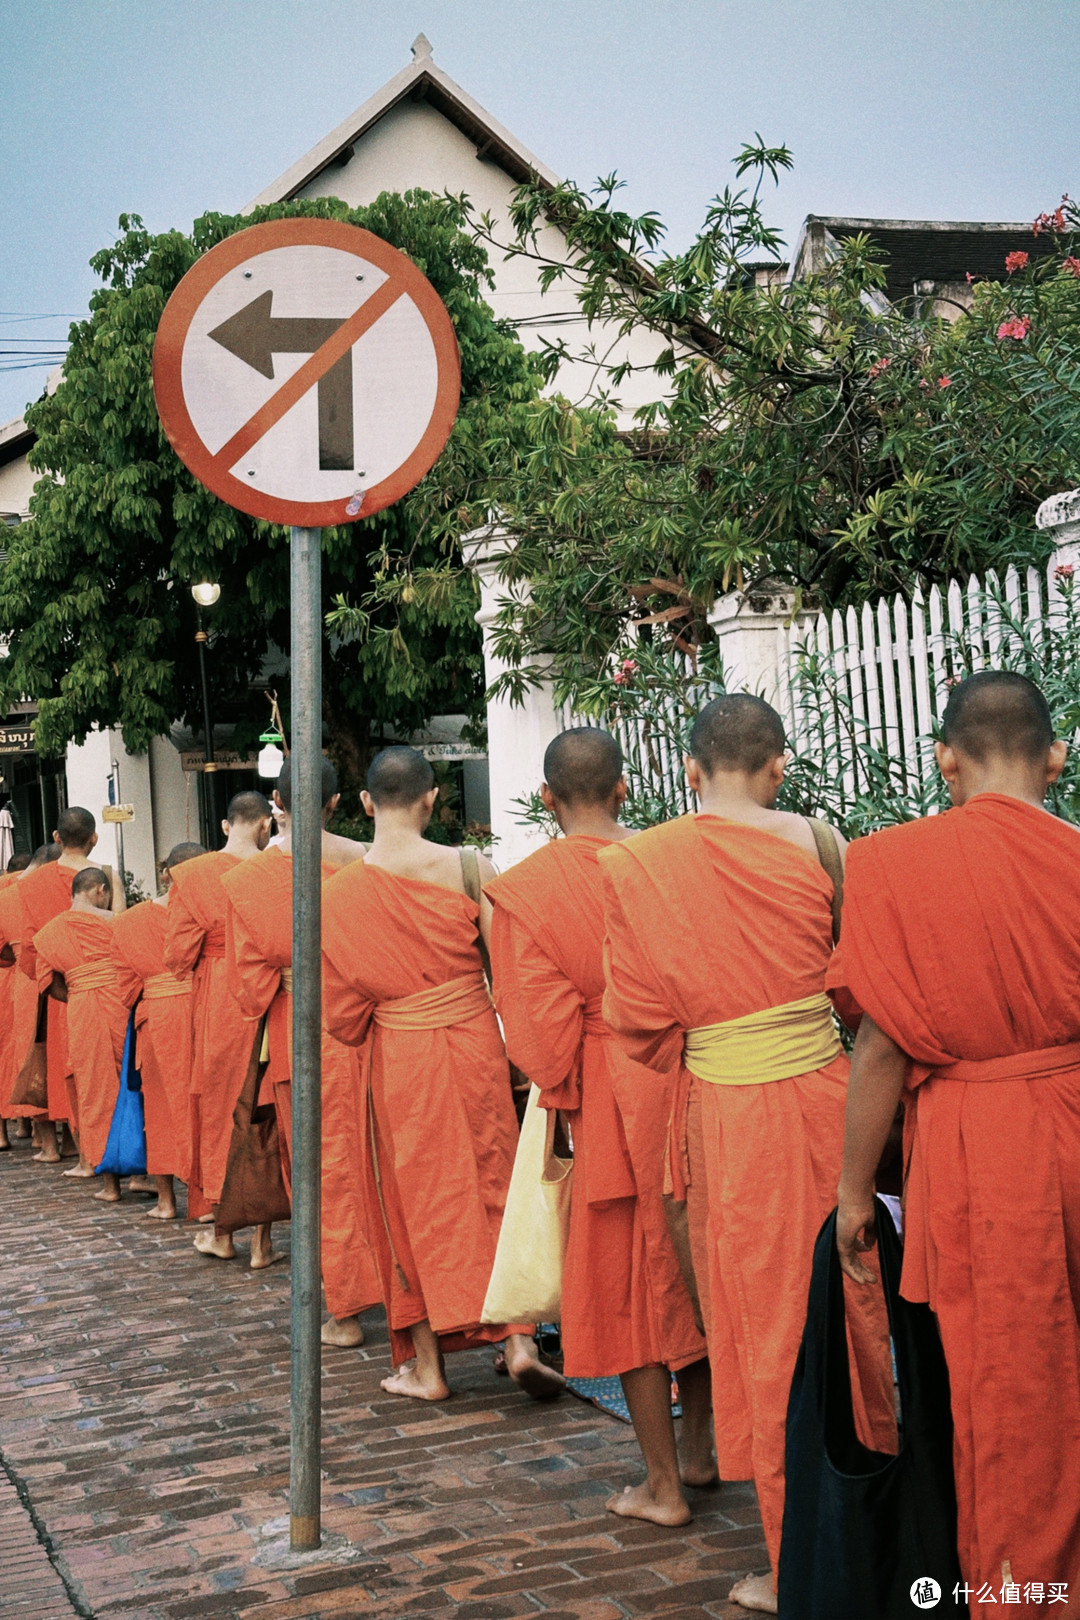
<point>1016,261</point>
<point>944,382</point>
<point>968,277</point>
<point>879,366</point>
<point>1072,264</point>
<point>625,672</point>
<point>1064,571</point>
<point>1016,327</point>
<point>1059,217</point>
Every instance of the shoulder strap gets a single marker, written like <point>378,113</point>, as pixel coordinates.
<point>828,853</point>
<point>470,877</point>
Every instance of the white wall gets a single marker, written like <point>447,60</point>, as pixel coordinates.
<point>413,145</point>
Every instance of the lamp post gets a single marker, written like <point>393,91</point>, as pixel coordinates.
<point>206,594</point>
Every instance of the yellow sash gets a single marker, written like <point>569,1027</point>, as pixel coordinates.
<point>774,1044</point>
<point>163,986</point>
<point>90,976</point>
<point>454,1002</point>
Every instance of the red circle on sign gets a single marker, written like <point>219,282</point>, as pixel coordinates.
<point>208,466</point>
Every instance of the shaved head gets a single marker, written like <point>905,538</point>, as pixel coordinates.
<point>328,784</point>
<point>46,853</point>
<point>181,853</point>
<point>90,878</point>
<point>75,828</point>
<point>398,777</point>
<point>583,766</point>
<point>248,808</point>
<point>997,713</point>
<point>737,732</point>
<point>19,863</point>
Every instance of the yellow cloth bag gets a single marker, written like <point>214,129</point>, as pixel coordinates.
<point>526,1279</point>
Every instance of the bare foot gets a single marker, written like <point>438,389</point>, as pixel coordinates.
<point>22,1130</point>
<point>264,1257</point>
<point>204,1220</point>
<point>108,1195</point>
<point>529,1373</point>
<point>344,1332</point>
<point>754,1592</point>
<point>638,1502</point>
<point>45,1157</point>
<point>698,1475</point>
<point>78,1172</point>
<point>218,1245</point>
<point>408,1381</point>
<point>161,1212</point>
<point>142,1184</point>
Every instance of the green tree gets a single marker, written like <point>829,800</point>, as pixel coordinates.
<point>94,589</point>
<point>808,432</point>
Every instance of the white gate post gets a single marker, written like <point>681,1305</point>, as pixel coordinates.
<point>753,630</point>
<point>518,734</point>
<point>1060,518</point>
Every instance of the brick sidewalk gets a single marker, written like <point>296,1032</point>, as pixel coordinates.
<point>144,1406</point>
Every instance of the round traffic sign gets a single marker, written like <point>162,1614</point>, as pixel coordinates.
<point>306,372</point>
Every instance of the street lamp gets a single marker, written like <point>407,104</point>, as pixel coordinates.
<point>206,594</point>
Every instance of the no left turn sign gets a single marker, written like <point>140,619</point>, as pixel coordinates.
<point>306,372</point>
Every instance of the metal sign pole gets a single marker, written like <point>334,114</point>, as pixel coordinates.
<point>305,1393</point>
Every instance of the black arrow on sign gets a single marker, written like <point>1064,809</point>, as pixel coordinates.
<point>255,335</point>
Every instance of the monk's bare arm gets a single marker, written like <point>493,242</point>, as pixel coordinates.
<point>878,1068</point>
<point>487,872</point>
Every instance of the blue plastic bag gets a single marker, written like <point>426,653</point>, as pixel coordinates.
<point>125,1151</point>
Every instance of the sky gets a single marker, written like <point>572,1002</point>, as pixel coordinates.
<point>917,109</point>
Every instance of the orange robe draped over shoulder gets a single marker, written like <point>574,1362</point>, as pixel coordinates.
<point>624,1302</point>
<point>260,947</point>
<point>165,1032</point>
<point>44,894</point>
<point>18,1001</point>
<point>223,1032</point>
<point>439,1125</point>
<point>78,944</point>
<point>710,920</point>
<point>962,941</point>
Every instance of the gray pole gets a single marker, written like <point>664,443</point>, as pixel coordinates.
<point>305,1530</point>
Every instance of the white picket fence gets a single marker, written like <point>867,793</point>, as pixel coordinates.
<point>891,664</point>
<point>870,678</point>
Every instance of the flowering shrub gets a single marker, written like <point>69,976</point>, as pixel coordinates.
<point>1016,261</point>
<point>1015,327</point>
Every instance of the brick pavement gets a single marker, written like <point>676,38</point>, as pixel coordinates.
<point>143,1405</point>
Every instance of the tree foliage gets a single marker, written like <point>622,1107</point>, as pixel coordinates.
<point>95,588</point>
<point>807,431</point>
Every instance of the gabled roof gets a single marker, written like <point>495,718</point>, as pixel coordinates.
<point>422,80</point>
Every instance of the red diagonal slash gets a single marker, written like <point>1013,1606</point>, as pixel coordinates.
<point>257,426</point>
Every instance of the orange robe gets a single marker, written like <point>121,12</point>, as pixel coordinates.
<point>24,1003</point>
<point>163,1021</point>
<point>224,1034</point>
<point>962,941</point>
<point>624,1302</point>
<point>710,920</point>
<point>438,1119</point>
<point>44,894</point>
<point>8,977</point>
<point>78,944</point>
<point>259,931</point>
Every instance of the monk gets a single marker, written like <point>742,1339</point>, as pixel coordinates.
<point>165,1034</point>
<point>719,933</point>
<point>224,1033</point>
<point>404,979</point>
<point>46,893</point>
<point>75,966</point>
<point>962,944</point>
<point>260,958</point>
<point>625,1307</point>
<point>8,977</point>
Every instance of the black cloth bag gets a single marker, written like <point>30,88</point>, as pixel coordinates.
<point>862,1527</point>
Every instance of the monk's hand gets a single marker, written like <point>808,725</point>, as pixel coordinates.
<point>856,1232</point>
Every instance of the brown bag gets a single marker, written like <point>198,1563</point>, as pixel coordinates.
<point>828,853</point>
<point>31,1088</point>
<point>254,1191</point>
